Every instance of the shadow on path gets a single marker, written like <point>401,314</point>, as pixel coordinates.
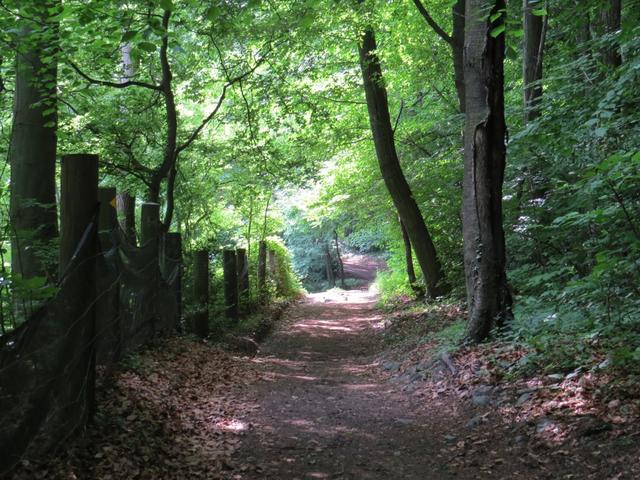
<point>323,411</point>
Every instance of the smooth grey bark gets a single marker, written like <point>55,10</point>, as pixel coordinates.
<point>32,152</point>
<point>533,52</point>
<point>391,170</point>
<point>489,300</point>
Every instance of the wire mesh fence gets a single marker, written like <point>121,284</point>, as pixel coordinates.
<point>48,363</point>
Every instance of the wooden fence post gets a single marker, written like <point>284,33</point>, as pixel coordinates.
<point>201,293</point>
<point>108,328</point>
<point>230,266</point>
<point>78,203</point>
<point>243,277</point>
<point>172,269</point>
<point>262,271</point>
<point>150,223</point>
<point>126,207</point>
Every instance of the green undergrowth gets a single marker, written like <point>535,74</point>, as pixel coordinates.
<point>411,324</point>
<point>555,339</point>
<point>561,338</point>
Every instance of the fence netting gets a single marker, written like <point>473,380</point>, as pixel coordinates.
<point>48,363</point>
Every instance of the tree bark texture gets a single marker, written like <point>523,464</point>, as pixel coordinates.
<point>408,255</point>
<point>533,46</point>
<point>489,300</point>
<point>33,146</point>
<point>126,207</point>
<point>612,22</point>
<point>391,170</point>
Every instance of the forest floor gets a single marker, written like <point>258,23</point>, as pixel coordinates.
<point>329,397</point>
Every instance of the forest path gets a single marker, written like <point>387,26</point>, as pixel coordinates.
<point>323,411</point>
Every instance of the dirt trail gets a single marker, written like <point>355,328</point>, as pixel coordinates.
<point>324,412</point>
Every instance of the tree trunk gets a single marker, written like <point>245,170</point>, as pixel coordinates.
<point>408,254</point>
<point>612,22</point>
<point>392,174</point>
<point>534,32</point>
<point>339,258</point>
<point>489,300</point>
<point>328,264</point>
<point>126,207</point>
<point>458,51</point>
<point>32,151</point>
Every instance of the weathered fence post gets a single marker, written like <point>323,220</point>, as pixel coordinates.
<point>262,271</point>
<point>78,208</point>
<point>108,328</point>
<point>172,269</point>
<point>243,277</point>
<point>126,207</point>
<point>201,293</point>
<point>150,223</point>
<point>230,266</point>
<point>274,271</point>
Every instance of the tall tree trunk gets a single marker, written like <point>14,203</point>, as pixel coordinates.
<point>534,33</point>
<point>392,174</point>
<point>458,51</point>
<point>331,279</point>
<point>489,300</point>
<point>455,41</point>
<point>611,22</point>
<point>408,254</point>
<point>339,258</point>
<point>33,144</point>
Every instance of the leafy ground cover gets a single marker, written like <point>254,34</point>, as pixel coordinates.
<point>171,412</point>
<point>578,424</point>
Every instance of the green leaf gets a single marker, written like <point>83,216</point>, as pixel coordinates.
<point>539,12</point>
<point>129,35</point>
<point>497,31</point>
<point>213,13</point>
<point>167,5</point>
<point>147,46</point>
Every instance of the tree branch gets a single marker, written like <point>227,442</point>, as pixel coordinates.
<point>106,83</point>
<point>432,23</point>
<point>213,113</point>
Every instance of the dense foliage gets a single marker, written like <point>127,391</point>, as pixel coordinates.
<point>270,138</point>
